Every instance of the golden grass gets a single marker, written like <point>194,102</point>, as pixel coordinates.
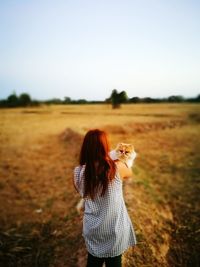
<point>39,149</point>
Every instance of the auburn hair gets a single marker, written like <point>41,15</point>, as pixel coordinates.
<point>99,167</point>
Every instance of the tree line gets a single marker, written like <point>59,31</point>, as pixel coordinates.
<point>116,99</point>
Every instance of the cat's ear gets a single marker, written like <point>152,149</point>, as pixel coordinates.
<point>118,145</point>
<point>131,147</point>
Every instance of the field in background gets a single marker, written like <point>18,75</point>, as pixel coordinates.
<point>39,148</point>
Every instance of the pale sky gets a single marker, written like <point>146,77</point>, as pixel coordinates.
<point>86,48</point>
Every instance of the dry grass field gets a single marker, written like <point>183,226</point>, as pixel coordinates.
<point>39,147</point>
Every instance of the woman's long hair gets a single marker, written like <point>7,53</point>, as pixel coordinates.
<point>100,168</point>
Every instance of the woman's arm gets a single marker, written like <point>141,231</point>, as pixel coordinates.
<point>124,171</point>
<point>76,178</point>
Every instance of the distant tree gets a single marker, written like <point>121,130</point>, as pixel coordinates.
<point>149,100</point>
<point>197,98</point>
<point>115,99</point>
<point>81,101</point>
<point>67,100</point>
<point>123,98</point>
<point>134,99</point>
<point>3,103</point>
<point>24,100</point>
<point>194,99</point>
<point>53,101</point>
<point>35,103</point>
<point>175,98</point>
<point>12,100</point>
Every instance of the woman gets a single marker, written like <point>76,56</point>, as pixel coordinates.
<point>107,228</point>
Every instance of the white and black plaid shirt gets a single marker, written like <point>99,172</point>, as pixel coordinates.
<point>107,228</point>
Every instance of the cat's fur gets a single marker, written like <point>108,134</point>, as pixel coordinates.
<point>123,152</point>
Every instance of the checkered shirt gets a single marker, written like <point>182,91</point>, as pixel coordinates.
<point>107,228</point>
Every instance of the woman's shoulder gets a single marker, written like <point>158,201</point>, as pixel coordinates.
<point>78,168</point>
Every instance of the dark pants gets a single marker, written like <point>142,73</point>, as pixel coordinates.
<point>98,262</point>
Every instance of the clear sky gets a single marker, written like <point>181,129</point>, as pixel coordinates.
<point>86,48</point>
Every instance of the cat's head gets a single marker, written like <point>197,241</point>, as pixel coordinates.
<point>124,151</point>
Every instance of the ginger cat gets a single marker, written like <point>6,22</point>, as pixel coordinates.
<point>125,153</point>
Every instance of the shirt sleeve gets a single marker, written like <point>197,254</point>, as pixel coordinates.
<point>78,180</point>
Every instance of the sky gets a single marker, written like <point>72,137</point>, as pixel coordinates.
<point>87,48</point>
